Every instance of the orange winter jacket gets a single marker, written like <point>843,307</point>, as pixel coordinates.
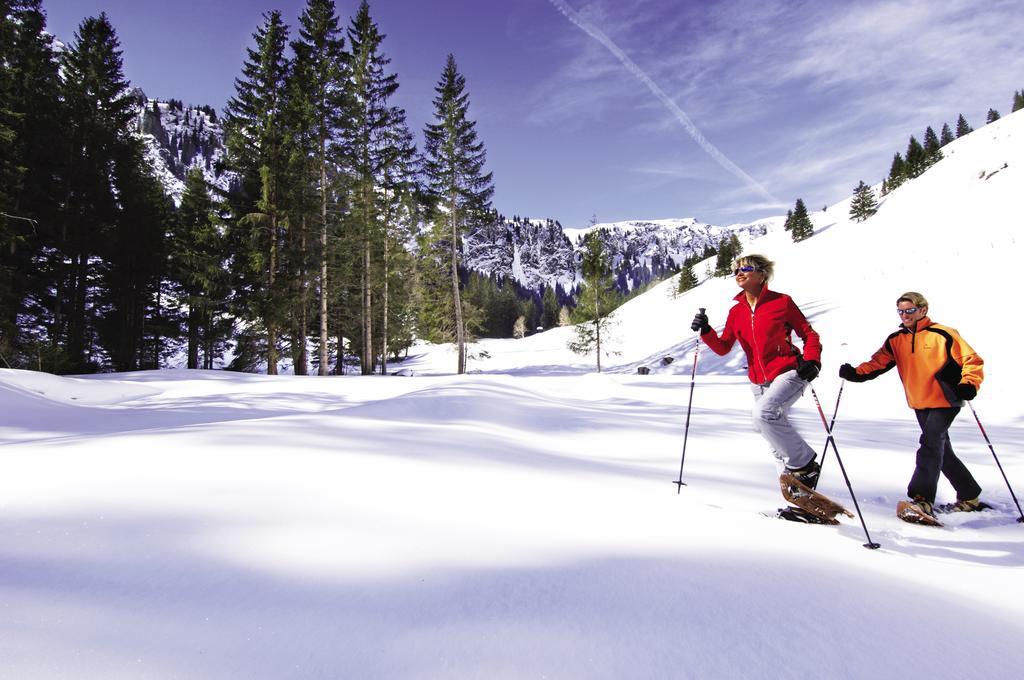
<point>932,360</point>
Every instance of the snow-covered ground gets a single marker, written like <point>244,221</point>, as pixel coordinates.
<point>521,521</point>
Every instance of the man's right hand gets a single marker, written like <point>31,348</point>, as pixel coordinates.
<point>848,372</point>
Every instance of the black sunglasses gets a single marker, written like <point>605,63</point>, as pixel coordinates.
<point>907,312</point>
<point>746,269</point>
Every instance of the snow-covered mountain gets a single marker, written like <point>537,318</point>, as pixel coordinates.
<point>540,253</point>
<point>533,253</point>
<point>180,137</point>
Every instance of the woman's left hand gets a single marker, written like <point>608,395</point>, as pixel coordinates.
<point>808,370</point>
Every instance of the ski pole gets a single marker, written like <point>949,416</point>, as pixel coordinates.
<point>686,434</point>
<point>990,448</point>
<point>870,545</point>
<point>831,426</point>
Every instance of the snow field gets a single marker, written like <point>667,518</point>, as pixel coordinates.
<point>522,521</point>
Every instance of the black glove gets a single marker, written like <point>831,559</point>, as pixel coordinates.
<point>700,323</point>
<point>966,391</point>
<point>848,372</point>
<point>808,370</point>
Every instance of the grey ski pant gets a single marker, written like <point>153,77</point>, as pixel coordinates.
<point>772,402</point>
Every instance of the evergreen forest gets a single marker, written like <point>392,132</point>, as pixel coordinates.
<point>337,246</point>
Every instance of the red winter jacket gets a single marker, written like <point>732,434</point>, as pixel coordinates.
<point>764,334</point>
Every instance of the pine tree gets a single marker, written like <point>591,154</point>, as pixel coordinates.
<point>597,301</point>
<point>1018,101</point>
<point>136,330</point>
<point>916,158</point>
<point>529,310</point>
<point>319,95</point>
<point>435,309</point>
<point>256,148</point>
<point>803,228</point>
<point>932,148</point>
<point>9,172</point>
<point>946,136</point>
<point>499,319</point>
<point>453,162</point>
<point>100,116</point>
<point>380,155</point>
<point>863,204</point>
<point>687,279</point>
<point>401,217</point>
<point>962,128</point>
<point>728,250</point>
<point>992,116</point>
<point>197,257</point>
<point>299,206</point>
<point>897,172</point>
<point>33,167</point>
<point>495,305</point>
<point>788,224</point>
<point>10,180</point>
<point>549,303</point>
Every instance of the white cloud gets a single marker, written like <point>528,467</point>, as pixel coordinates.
<point>777,82</point>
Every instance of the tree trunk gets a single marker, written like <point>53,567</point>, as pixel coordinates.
<point>367,298</point>
<point>300,357</point>
<point>384,320</point>
<point>207,336</point>
<point>367,353</point>
<point>193,336</point>
<point>323,260</point>
<point>340,364</point>
<point>156,329</point>
<point>460,331</point>
<point>76,331</point>
<point>271,279</point>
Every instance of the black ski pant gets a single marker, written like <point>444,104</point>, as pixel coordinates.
<point>936,455</point>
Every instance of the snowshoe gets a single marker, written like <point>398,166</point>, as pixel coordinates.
<point>963,506</point>
<point>795,514</point>
<point>917,512</point>
<point>809,500</point>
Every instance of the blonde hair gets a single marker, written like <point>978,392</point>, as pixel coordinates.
<point>913,298</point>
<point>766,266</point>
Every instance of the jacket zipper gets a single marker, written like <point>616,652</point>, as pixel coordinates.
<point>757,348</point>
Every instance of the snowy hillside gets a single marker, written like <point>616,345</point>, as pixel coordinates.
<point>945,234</point>
<point>522,522</point>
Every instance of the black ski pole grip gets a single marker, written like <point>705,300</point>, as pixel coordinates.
<point>696,326</point>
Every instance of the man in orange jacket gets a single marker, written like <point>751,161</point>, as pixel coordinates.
<point>939,371</point>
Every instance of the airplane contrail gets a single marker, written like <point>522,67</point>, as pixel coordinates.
<point>709,148</point>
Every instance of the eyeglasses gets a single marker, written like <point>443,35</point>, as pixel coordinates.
<point>907,312</point>
<point>746,269</point>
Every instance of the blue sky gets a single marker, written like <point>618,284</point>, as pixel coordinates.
<point>791,99</point>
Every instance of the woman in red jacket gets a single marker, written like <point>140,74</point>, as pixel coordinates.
<point>762,320</point>
<point>940,371</point>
